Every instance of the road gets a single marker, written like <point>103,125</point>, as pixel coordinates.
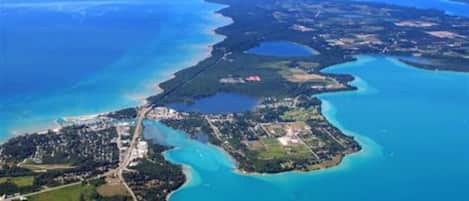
<point>128,158</point>
<point>42,191</point>
<point>117,172</point>
<point>214,128</point>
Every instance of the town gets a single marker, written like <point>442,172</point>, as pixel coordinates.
<point>279,135</point>
<point>92,150</point>
<point>106,157</point>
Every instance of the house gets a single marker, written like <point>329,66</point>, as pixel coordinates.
<point>253,78</point>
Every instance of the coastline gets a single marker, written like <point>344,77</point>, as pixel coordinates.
<point>221,21</point>
<point>155,87</point>
<point>188,170</point>
<point>338,163</point>
<point>187,173</point>
<point>369,147</point>
<point>140,99</point>
<point>207,54</point>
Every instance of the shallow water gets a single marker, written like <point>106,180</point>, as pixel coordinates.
<point>412,124</point>
<point>67,58</point>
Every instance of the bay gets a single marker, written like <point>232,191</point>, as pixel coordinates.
<point>412,124</point>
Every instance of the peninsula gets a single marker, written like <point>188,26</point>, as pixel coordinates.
<point>106,157</point>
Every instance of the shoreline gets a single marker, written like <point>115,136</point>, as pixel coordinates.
<point>369,147</point>
<point>140,99</point>
<point>221,21</point>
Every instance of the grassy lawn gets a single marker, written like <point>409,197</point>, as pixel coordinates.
<point>44,167</point>
<point>71,193</point>
<point>311,141</point>
<point>299,151</point>
<point>301,114</point>
<point>19,181</point>
<point>272,149</point>
<point>110,190</point>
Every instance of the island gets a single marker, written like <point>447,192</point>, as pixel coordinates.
<point>106,156</point>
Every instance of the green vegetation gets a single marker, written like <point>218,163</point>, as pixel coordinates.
<point>72,145</point>
<point>18,181</point>
<point>409,32</point>
<point>204,79</point>
<point>252,137</point>
<point>79,192</point>
<point>14,171</point>
<point>31,165</point>
<point>112,190</point>
<point>154,178</point>
<point>56,158</point>
<point>15,179</point>
<point>272,149</point>
<point>124,114</point>
<point>302,114</point>
<point>270,138</point>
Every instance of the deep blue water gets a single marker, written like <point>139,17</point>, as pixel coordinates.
<point>67,58</point>
<point>282,49</point>
<point>218,104</point>
<point>63,58</point>
<point>412,124</point>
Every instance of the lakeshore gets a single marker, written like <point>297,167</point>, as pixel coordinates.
<point>388,145</point>
<point>293,173</point>
<point>147,53</point>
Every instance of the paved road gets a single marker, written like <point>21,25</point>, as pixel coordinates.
<point>128,158</point>
<point>122,166</point>
<point>44,191</point>
<point>216,131</point>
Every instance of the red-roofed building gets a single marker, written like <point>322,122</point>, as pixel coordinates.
<point>254,78</point>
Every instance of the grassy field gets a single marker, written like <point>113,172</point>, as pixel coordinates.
<point>71,193</point>
<point>19,181</point>
<point>29,164</point>
<point>272,149</point>
<point>110,190</point>
<point>301,114</point>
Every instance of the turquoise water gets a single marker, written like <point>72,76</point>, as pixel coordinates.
<point>64,58</point>
<point>67,58</point>
<point>219,103</point>
<point>282,49</point>
<point>412,124</point>
<point>448,6</point>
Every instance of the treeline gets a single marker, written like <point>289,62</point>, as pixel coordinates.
<point>154,178</point>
